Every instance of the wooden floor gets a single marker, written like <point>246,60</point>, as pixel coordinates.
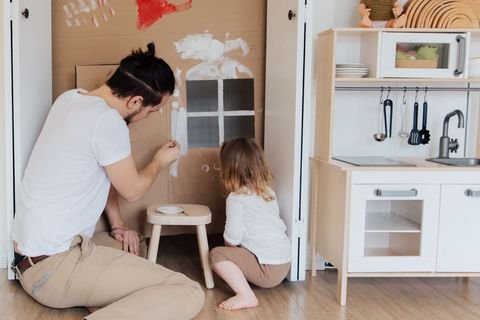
<point>313,299</point>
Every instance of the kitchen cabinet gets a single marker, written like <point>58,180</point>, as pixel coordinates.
<point>391,221</point>
<point>393,228</point>
<point>396,221</point>
<point>459,234</point>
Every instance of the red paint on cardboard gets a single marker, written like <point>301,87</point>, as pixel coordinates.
<point>149,11</point>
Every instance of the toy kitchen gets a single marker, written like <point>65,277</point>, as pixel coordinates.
<point>396,171</point>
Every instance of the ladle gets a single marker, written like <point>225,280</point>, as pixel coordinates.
<point>380,136</point>
<point>403,133</point>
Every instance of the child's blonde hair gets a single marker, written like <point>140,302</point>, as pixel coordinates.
<point>244,169</point>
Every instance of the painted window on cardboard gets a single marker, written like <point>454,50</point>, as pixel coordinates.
<point>219,110</point>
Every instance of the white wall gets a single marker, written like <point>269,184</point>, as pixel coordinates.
<point>3,217</point>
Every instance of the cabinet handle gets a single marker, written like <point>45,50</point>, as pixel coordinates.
<point>395,193</point>
<point>472,193</point>
<point>462,43</point>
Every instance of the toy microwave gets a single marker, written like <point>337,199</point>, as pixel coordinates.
<point>423,55</point>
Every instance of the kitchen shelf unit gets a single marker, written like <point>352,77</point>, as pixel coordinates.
<point>366,235</point>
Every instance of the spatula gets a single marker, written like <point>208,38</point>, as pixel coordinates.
<point>414,138</point>
<point>424,133</point>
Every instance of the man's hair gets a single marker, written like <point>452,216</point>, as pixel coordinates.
<point>244,169</point>
<point>141,73</point>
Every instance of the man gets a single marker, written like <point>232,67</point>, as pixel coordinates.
<point>80,161</point>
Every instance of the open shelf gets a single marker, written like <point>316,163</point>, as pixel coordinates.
<point>381,252</point>
<point>389,222</point>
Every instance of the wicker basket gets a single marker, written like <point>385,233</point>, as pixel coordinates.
<point>381,9</point>
<point>417,64</point>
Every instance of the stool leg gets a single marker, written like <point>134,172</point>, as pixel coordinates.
<point>203,250</point>
<point>154,241</point>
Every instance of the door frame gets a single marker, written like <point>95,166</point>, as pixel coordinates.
<point>303,124</point>
<point>8,170</point>
<point>25,103</point>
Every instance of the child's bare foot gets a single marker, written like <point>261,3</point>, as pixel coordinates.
<point>239,302</point>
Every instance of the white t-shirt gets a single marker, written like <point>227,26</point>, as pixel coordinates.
<point>65,186</point>
<point>255,224</point>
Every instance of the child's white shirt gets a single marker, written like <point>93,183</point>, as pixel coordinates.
<point>255,224</point>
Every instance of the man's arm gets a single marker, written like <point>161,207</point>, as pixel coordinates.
<point>129,238</point>
<point>132,184</point>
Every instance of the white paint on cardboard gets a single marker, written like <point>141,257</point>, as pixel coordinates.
<point>179,134</point>
<point>90,12</point>
<point>211,52</point>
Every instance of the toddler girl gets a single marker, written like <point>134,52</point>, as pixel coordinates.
<point>257,249</point>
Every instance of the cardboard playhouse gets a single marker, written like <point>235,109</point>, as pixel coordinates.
<point>217,51</point>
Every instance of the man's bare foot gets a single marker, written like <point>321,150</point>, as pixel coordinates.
<point>93,309</point>
<point>239,302</point>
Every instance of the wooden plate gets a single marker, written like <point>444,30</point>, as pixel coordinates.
<point>463,17</point>
<point>418,12</point>
<point>412,7</point>
<point>414,13</point>
<point>460,22</point>
<point>475,6</point>
<point>442,22</point>
<point>455,16</point>
<point>473,16</point>
<point>441,10</point>
<point>436,13</point>
<point>426,14</point>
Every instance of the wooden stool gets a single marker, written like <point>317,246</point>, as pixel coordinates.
<point>192,215</point>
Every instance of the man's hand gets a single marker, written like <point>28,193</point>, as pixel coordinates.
<point>168,153</point>
<point>129,238</point>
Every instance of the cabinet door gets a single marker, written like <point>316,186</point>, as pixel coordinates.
<point>393,228</point>
<point>459,231</point>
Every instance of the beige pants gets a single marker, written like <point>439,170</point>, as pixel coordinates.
<point>261,275</point>
<point>127,286</point>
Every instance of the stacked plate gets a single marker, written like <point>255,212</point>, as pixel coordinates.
<point>351,70</point>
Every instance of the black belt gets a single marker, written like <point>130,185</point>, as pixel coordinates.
<point>22,263</point>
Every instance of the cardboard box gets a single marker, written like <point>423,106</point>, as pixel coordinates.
<point>83,57</point>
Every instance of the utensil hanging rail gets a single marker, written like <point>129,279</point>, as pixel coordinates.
<point>400,88</point>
